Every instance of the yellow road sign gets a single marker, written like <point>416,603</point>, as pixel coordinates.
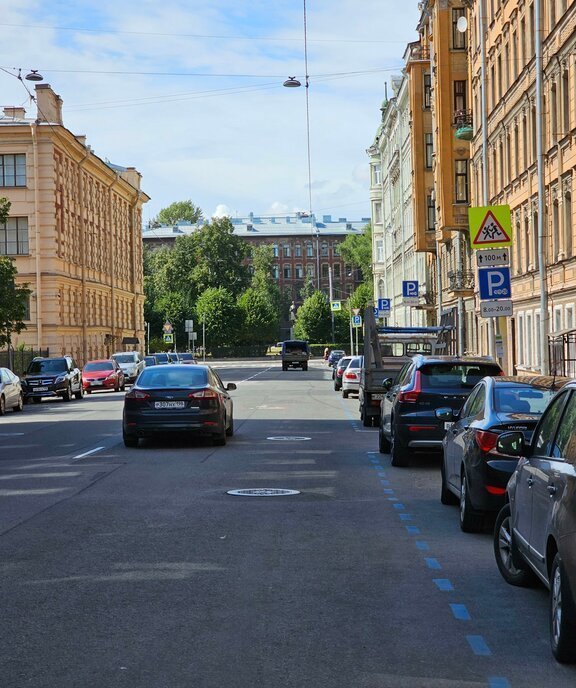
<point>168,339</point>
<point>336,305</point>
<point>490,226</point>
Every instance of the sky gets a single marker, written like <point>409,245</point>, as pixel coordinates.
<point>190,93</point>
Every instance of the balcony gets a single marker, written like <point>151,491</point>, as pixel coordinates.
<point>463,125</point>
<point>461,282</point>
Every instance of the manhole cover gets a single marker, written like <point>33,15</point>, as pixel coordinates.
<point>289,438</point>
<point>262,492</point>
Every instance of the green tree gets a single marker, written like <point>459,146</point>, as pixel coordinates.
<point>313,319</point>
<point>179,211</point>
<point>308,289</point>
<point>13,302</point>
<point>261,319</point>
<point>4,209</point>
<point>361,296</point>
<point>218,309</point>
<point>356,250</point>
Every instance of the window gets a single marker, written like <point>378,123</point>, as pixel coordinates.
<point>553,114</point>
<point>520,340</point>
<point>275,271</point>
<point>14,237</point>
<point>309,251</point>
<point>287,271</point>
<point>377,212</point>
<point>299,272</point>
<point>336,271</point>
<point>461,173</point>
<point>458,37</point>
<point>275,250</point>
<point>298,251</point>
<point>565,443</point>
<point>376,174</point>
<point>13,170</point>
<point>567,206</point>
<point>514,55</point>
<point>324,250</point>
<point>431,213</point>
<point>379,251</point>
<point>325,271</point>
<point>529,339</point>
<point>460,95</point>
<point>310,271</point>
<point>336,250</point>
<point>429,146</point>
<point>565,103</point>
<point>543,439</point>
<point>286,250</point>
<point>427,91</point>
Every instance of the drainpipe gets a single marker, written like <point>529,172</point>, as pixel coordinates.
<point>112,263</point>
<point>83,252</point>
<point>39,333</point>
<point>133,251</point>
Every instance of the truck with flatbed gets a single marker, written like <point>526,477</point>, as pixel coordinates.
<point>386,350</point>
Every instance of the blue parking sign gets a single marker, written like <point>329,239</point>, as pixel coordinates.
<point>410,289</point>
<point>494,283</point>
<point>383,304</point>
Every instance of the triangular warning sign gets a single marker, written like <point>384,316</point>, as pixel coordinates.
<point>491,233</point>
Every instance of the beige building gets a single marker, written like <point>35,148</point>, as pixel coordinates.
<point>513,113</point>
<point>75,232</point>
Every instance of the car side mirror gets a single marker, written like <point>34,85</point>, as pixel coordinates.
<point>387,384</point>
<point>511,443</point>
<point>445,413</point>
<point>230,386</point>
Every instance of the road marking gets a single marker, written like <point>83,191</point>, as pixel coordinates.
<point>498,682</point>
<point>26,493</point>
<point>11,434</point>
<point>432,563</point>
<point>399,506</point>
<point>388,491</point>
<point>92,451</point>
<point>460,612</point>
<point>443,584</point>
<point>421,545</point>
<point>413,530</point>
<point>405,517</point>
<point>384,482</point>
<point>19,476</point>
<point>478,645</point>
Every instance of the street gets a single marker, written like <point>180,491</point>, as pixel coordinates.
<point>134,567</point>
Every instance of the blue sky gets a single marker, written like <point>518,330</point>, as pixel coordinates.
<point>190,92</point>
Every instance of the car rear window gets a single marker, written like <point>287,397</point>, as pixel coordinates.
<point>100,365</point>
<point>47,366</point>
<point>455,375</point>
<point>162,358</point>
<point>295,347</point>
<point>521,399</point>
<point>355,363</point>
<point>170,376</point>
<point>124,358</point>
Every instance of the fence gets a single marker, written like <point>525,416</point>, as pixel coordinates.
<point>17,360</point>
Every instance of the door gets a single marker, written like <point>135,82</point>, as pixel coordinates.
<point>459,434</point>
<point>388,401</point>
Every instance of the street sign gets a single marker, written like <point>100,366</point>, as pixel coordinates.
<point>490,226</point>
<point>496,309</point>
<point>376,312</point>
<point>383,304</point>
<point>188,326</point>
<point>168,339</point>
<point>356,311</point>
<point>336,305</point>
<point>167,327</point>
<point>494,283</point>
<point>488,257</point>
<point>410,292</point>
<point>356,321</point>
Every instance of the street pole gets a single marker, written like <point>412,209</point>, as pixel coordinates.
<point>351,339</point>
<point>331,298</point>
<point>203,338</point>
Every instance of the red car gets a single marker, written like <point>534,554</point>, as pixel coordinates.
<point>103,374</point>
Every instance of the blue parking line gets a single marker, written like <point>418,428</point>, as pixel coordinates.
<point>421,545</point>
<point>443,584</point>
<point>384,482</point>
<point>478,645</point>
<point>460,612</point>
<point>399,506</point>
<point>498,682</point>
<point>382,474</point>
<point>389,491</point>
<point>405,517</point>
<point>392,499</point>
<point>431,563</point>
<point>414,530</point>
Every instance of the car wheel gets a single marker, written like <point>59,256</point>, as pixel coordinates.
<point>20,405</point>
<point>366,421</point>
<point>446,497</point>
<point>305,366</point>
<point>67,396</point>
<point>383,442</point>
<point>400,457</point>
<point>80,393</point>
<point>562,614</point>
<point>123,386</point>
<point>88,391</point>
<point>284,367</point>
<point>511,568</point>
<point>345,393</point>
<point>36,400</point>
<point>130,440</point>
<point>470,521</point>
<point>116,387</point>
<point>220,439</point>
<point>230,428</point>
<point>2,406</point>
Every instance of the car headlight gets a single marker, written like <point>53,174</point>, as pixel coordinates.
<point>59,379</point>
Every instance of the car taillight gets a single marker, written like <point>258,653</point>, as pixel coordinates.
<point>411,396</point>
<point>486,440</point>
<point>350,376</point>
<point>137,394</point>
<point>203,394</point>
<point>495,490</point>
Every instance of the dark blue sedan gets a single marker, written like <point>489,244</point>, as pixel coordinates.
<point>474,474</point>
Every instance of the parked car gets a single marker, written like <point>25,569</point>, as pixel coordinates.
<point>162,358</point>
<point>11,395</point>
<point>173,357</point>
<point>187,358</point>
<point>295,354</point>
<point>131,363</point>
<point>339,369</point>
<point>474,474</point>
<point>52,377</point>
<point>183,399</point>
<point>407,412</point>
<point>535,532</point>
<point>351,376</point>
<point>335,356</point>
<point>150,360</point>
<point>103,374</point>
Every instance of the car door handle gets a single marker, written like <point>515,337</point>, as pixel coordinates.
<point>530,481</point>
<point>552,490</point>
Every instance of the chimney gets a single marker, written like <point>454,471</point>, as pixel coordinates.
<point>49,105</point>
<point>14,112</point>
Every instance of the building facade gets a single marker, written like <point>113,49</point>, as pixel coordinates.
<point>74,231</point>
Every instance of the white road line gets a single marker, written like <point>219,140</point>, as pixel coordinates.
<point>92,451</point>
<point>28,476</point>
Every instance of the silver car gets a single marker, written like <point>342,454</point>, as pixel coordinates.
<point>351,376</point>
<point>11,395</point>
<point>131,362</point>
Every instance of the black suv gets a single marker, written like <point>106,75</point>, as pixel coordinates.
<point>52,377</point>
<point>408,410</point>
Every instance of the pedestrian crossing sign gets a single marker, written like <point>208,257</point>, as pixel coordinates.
<point>490,226</point>
<point>336,305</point>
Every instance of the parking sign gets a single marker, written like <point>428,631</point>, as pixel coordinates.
<point>494,283</point>
<point>410,292</point>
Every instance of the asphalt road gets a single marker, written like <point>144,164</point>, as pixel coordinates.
<point>134,567</point>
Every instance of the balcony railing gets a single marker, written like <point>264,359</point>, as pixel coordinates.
<point>419,52</point>
<point>461,282</point>
<point>462,123</point>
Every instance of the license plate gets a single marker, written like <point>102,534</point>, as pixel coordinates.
<point>96,382</point>
<point>448,425</point>
<point>377,396</point>
<point>169,404</point>
<point>39,389</point>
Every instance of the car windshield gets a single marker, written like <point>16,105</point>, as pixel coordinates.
<point>521,399</point>
<point>47,366</point>
<point>150,360</point>
<point>355,363</point>
<point>124,358</point>
<point>186,357</point>
<point>455,375</point>
<point>172,376</point>
<point>343,362</point>
<point>99,365</point>
<point>295,347</point>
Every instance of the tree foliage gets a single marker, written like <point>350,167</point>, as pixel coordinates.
<point>313,319</point>
<point>356,249</point>
<point>13,302</point>
<point>4,209</point>
<point>179,211</point>
<point>217,307</point>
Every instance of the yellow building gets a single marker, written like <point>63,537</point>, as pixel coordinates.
<point>513,113</point>
<point>74,231</point>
